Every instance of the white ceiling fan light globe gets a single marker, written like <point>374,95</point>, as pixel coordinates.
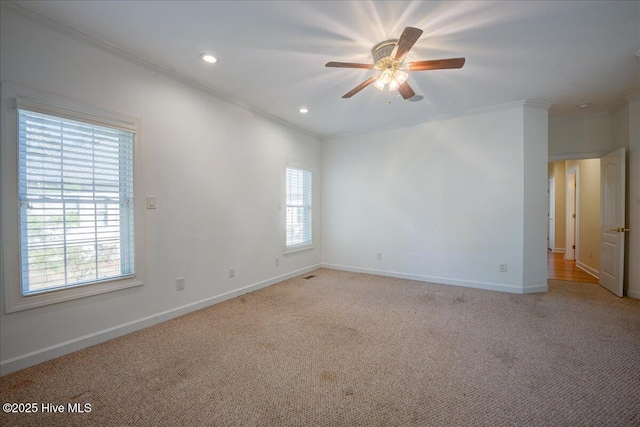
<point>379,83</point>
<point>386,76</point>
<point>401,76</point>
<point>393,85</point>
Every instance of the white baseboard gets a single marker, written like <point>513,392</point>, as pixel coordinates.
<point>633,293</point>
<point>35,357</point>
<point>535,289</point>
<point>559,250</point>
<point>441,280</point>
<point>592,271</point>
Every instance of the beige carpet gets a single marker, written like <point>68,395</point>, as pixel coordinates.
<point>346,349</point>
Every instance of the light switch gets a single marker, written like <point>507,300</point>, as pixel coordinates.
<point>151,202</point>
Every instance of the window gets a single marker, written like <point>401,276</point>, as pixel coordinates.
<point>298,208</point>
<point>68,172</point>
<point>73,190</point>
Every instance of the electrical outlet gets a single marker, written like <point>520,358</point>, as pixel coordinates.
<point>379,257</point>
<point>277,261</point>
<point>503,268</point>
<point>232,272</point>
<point>180,283</point>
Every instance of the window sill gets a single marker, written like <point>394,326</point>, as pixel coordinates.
<point>62,295</point>
<point>295,249</point>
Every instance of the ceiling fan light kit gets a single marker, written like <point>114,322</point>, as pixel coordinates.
<point>388,61</point>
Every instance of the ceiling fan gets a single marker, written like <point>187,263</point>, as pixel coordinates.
<point>388,58</point>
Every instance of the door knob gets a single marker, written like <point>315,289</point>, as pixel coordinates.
<point>619,229</point>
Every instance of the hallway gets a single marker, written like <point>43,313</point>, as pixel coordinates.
<point>559,268</point>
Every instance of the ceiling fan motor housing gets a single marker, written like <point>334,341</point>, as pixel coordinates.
<point>383,50</point>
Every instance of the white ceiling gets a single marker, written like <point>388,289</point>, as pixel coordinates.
<point>272,53</point>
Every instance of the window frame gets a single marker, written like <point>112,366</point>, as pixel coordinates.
<point>290,163</point>
<point>16,97</point>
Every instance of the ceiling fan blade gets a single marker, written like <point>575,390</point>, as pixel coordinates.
<point>360,87</point>
<point>406,41</point>
<point>406,91</point>
<point>348,65</point>
<point>436,64</point>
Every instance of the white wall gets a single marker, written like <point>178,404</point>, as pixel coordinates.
<point>215,168</point>
<point>535,155</point>
<point>620,127</point>
<point>442,201</point>
<point>588,137</point>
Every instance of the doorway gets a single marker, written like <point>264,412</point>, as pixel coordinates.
<point>559,268</point>
<point>574,220</point>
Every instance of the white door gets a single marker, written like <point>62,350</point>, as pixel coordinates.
<point>612,229</point>
<point>570,253</point>
<point>552,213</point>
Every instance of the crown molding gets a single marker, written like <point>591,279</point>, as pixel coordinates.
<point>135,58</point>
<point>543,105</point>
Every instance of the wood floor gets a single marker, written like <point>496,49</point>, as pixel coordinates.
<point>559,268</point>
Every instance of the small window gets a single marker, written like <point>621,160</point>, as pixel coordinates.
<point>76,202</point>
<point>298,220</point>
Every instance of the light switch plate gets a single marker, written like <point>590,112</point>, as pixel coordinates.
<point>151,202</point>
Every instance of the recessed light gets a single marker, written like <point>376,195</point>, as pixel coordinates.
<point>583,105</point>
<point>304,110</point>
<point>207,57</point>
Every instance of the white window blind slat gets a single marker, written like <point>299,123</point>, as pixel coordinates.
<point>76,202</point>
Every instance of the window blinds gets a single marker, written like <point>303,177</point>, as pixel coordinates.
<point>298,201</point>
<point>76,202</point>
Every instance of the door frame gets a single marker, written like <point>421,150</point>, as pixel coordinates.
<point>572,210</point>
<point>551,227</point>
